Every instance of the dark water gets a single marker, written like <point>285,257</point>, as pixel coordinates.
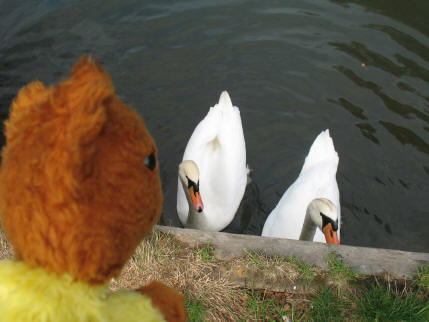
<point>293,67</point>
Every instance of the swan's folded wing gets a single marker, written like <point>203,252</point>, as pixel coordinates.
<point>322,150</point>
<point>205,131</point>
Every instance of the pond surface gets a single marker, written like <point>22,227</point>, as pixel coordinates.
<point>294,68</point>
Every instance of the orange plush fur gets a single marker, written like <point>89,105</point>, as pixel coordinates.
<point>75,193</point>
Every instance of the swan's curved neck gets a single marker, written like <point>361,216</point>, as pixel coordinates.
<point>196,219</point>
<point>308,228</point>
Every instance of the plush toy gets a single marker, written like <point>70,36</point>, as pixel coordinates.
<point>79,188</point>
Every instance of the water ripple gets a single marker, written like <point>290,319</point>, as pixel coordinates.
<point>401,109</point>
<point>406,136</point>
<point>371,58</point>
<point>406,41</point>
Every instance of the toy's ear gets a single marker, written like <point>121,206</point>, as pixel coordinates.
<point>84,97</point>
<point>74,109</point>
<point>21,115</point>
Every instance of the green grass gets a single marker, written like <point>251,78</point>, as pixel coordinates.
<point>305,270</point>
<point>293,314</point>
<point>206,253</point>
<point>339,270</point>
<point>263,309</point>
<point>378,303</point>
<point>153,248</point>
<point>343,301</point>
<point>422,279</point>
<point>196,310</point>
<point>326,306</point>
<point>256,258</point>
<point>372,303</point>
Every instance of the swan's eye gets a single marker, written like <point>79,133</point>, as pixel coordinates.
<point>150,162</point>
<point>193,184</point>
<point>335,225</point>
<point>326,220</point>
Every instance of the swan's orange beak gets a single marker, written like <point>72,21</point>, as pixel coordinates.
<point>330,235</point>
<point>196,199</point>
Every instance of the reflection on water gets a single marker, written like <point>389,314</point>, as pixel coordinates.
<point>404,40</point>
<point>408,88</point>
<point>368,131</point>
<point>402,109</point>
<point>406,136</point>
<point>412,13</point>
<point>359,68</point>
<point>403,135</point>
<point>350,107</point>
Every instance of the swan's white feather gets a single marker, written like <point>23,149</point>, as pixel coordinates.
<point>317,179</point>
<point>217,146</point>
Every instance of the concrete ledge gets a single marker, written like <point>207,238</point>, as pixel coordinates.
<point>370,261</point>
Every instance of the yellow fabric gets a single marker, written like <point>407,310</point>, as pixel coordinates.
<point>31,294</point>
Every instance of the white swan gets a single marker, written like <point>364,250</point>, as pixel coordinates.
<point>213,175</point>
<point>310,207</point>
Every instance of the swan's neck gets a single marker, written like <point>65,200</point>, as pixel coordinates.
<point>196,219</point>
<point>308,228</point>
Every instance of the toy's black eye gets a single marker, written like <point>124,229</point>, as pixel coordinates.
<point>150,162</point>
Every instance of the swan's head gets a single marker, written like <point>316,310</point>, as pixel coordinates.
<point>324,214</point>
<point>190,178</point>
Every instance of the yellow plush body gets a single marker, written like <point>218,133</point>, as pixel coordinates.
<point>31,294</point>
